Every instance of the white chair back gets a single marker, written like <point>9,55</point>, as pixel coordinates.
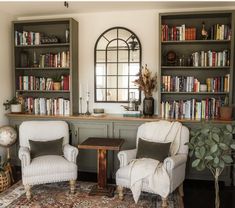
<point>43,131</point>
<point>154,131</point>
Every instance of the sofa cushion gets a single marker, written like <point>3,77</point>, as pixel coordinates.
<point>48,165</point>
<point>40,148</point>
<point>154,150</point>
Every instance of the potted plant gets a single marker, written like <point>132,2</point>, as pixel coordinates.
<point>147,83</point>
<point>226,110</point>
<point>57,83</point>
<point>14,105</point>
<point>212,148</point>
<point>5,180</point>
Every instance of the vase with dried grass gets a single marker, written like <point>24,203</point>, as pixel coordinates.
<point>147,83</point>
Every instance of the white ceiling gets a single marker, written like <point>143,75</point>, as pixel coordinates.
<point>36,8</point>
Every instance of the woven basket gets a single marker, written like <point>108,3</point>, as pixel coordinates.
<point>5,180</point>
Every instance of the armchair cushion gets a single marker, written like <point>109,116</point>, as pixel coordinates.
<point>40,148</point>
<point>154,150</point>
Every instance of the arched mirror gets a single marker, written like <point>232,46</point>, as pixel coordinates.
<point>117,63</point>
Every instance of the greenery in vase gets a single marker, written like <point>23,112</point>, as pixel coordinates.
<point>13,101</point>
<point>146,81</point>
<point>2,166</point>
<point>212,148</point>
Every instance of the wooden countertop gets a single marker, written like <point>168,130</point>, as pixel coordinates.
<point>109,117</point>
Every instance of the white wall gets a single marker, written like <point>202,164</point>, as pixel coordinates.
<point>5,67</point>
<point>143,23</point>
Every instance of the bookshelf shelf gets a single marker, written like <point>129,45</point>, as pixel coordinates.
<point>38,66</point>
<point>195,67</point>
<point>197,42</point>
<point>44,45</point>
<point>44,91</point>
<point>209,62</point>
<point>197,93</point>
<point>42,68</point>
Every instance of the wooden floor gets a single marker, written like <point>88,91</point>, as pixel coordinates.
<point>197,194</point>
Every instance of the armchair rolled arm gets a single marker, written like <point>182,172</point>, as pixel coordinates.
<point>125,156</point>
<point>70,153</point>
<point>174,161</point>
<point>24,155</point>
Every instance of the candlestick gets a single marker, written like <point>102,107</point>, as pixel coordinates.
<point>80,99</point>
<point>87,104</point>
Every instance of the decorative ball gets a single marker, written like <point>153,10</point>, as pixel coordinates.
<point>8,136</point>
<point>171,57</point>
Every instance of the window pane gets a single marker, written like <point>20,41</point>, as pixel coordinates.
<point>124,34</point>
<point>123,82</point>
<point>134,69</point>
<point>111,82</point>
<point>100,56</point>
<point>122,69</point>
<point>112,45</point>
<point>122,45</point>
<point>100,94</point>
<point>133,78</point>
<point>111,94</point>
<point>111,69</point>
<point>100,81</point>
<point>102,44</point>
<point>134,56</point>
<point>122,94</point>
<point>112,56</point>
<point>112,34</point>
<point>100,69</point>
<point>123,55</point>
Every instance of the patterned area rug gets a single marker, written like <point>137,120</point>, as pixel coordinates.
<point>57,195</point>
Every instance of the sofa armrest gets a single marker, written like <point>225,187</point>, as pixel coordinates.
<point>24,155</point>
<point>70,153</point>
<point>173,162</point>
<point>125,156</point>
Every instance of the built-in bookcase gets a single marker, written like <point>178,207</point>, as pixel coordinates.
<point>46,51</point>
<point>187,62</point>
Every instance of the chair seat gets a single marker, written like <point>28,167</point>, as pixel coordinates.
<point>49,165</point>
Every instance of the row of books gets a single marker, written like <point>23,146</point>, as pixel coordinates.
<point>192,84</point>
<point>47,106</point>
<point>191,109</point>
<point>179,33</point>
<point>41,83</point>
<point>211,58</point>
<point>60,59</point>
<point>218,84</point>
<point>220,32</point>
<point>27,38</point>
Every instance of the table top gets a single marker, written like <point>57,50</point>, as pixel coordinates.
<point>101,143</point>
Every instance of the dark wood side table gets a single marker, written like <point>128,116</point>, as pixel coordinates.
<point>102,145</point>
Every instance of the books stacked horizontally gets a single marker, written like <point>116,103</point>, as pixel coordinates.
<point>191,84</point>
<point>41,83</point>
<point>60,59</point>
<point>47,106</point>
<point>191,109</point>
<point>211,58</point>
<point>178,33</point>
<point>132,114</point>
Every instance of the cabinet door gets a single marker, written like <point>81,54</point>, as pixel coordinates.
<point>87,159</point>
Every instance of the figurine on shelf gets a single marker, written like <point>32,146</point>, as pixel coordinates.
<point>204,33</point>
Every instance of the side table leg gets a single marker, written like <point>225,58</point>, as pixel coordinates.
<point>102,168</point>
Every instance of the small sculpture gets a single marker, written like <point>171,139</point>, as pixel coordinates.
<point>204,33</point>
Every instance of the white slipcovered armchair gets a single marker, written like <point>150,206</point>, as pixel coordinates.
<point>174,165</point>
<point>47,168</point>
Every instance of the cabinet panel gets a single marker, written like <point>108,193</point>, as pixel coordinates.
<point>87,159</point>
